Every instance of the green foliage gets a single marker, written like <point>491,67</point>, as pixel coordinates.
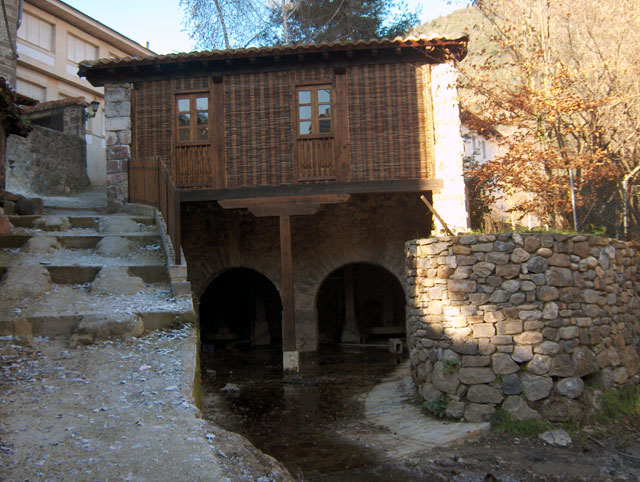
<point>503,422</point>
<point>595,229</point>
<point>622,403</point>
<point>437,408</point>
<point>449,366</point>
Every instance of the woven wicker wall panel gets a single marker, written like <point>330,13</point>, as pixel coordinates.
<point>151,130</point>
<point>192,83</point>
<point>390,122</point>
<point>258,129</point>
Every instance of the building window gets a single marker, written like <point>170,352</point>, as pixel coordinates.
<point>79,50</point>
<point>29,89</point>
<point>36,31</point>
<point>192,118</point>
<point>314,110</point>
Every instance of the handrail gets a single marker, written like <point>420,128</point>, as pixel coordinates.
<point>169,205</point>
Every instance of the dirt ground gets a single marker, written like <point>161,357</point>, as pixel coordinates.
<point>508,459</point>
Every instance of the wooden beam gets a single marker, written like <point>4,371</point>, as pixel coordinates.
<point>435,213</point>
<point>286,281</point>
<point>269,210</point>
<point>284,200</point>
<point>308,189</point>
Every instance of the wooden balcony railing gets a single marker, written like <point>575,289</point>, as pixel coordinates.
<point>169,205</point>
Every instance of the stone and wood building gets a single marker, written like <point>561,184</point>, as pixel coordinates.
<point>291,177</point>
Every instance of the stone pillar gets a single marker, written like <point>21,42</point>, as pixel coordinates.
<point>118,132</point>
<point>450,202</point>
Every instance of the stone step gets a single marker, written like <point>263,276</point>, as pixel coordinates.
<point>84,222</point>
<point>77,241</point>
<point>74,275</point>
<point>51,325</point>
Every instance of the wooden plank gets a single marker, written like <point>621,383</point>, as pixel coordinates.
<point>341,143</point>
<point>365,187</point>
<point>284,201</point>
<point>286,280</point>
<point>435,213</point>
<point>276,210</point>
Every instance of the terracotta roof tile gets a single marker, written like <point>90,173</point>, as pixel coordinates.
<point>421,41</point>
<point>56,104</point>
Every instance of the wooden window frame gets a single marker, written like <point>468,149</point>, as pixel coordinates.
<point>192,96</point>
<point>315,130</point>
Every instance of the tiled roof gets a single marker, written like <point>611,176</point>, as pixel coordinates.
<point>458,45</point>
<point>56,104</point>
<point>11,114</point>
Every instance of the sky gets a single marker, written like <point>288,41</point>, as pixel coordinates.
<point>160,22</point>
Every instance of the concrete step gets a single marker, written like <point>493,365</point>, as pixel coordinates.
<point>77,241</point>
<point>77,222</point>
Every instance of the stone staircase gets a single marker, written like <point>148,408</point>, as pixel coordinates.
<point>80,273</point>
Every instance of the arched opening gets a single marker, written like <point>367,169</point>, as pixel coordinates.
<point>360,303</point>
<point>241,307</point>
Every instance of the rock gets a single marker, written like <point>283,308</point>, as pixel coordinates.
<point>503,364</point>
<point>24,207</point>
<point>503,247</point>
<point>115,246</point>
<point>620,375</point>
<point>560,259</point>
<point>42,244</point>
<point>528,338</point>
<point>38,205</point>
<point>537,264</point>
<point>499,296</point>
<point>475,375</point>
<point>497,258</point>
<point>559,277</point>
<point>484,394</point>
<point>570,387</point>
<point>24,281</point>
<point>539,364</point>
<point>508,271</point>
<point>519,255</point>
<point>557,438</point>
<point>455,409</point>
<point>117,225</point>
<point>550,311</point>
<point>569,332</point>
<point>561,409</point>
<point>511,286</point>
<point>604,378</point>
<point>522,353</point>
<point>630,360</point>
<point>519,410</point>
<point>475,412</point>
<point>547,348</point>
<point>535,387</point>
<point>562,366</point>
<point>230,388</point>
<point>9,207</point>
<point>462,285</point>
<point>511,384</point>
<point>483,269</point>
<point>584,361</point>
<point>115,280</point>
<point>445,380</point>
<point>52,223</point>
<point>109,326</point>
<point>430,393</point>
<point>547,293</point>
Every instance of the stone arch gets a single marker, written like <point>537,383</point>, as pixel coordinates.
<point>360,302</point>
<point>240,306</point>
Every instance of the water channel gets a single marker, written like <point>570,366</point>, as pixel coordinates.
<point>312,422</point>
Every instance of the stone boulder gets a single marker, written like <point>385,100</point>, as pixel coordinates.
<point>52,223</point>
<point>116,280</point>
<point>105,326</point>
<point>571,387</point>
<point>115,246</point>
<point>519,410</point>
<point>25,281</point>
<point>24,207</point>
<point>42,244</point>
<point>535,387</point>
<point>117,225</point>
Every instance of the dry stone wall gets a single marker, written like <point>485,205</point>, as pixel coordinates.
<point>534,324</point>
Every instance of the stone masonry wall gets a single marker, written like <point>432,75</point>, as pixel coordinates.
<point>534,324</point>
<point>118,134</point>
<point>46,162</point>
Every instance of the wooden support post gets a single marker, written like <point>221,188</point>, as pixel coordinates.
<point>290,354</point>
<point>350,329</point>
<point>432,209</point>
